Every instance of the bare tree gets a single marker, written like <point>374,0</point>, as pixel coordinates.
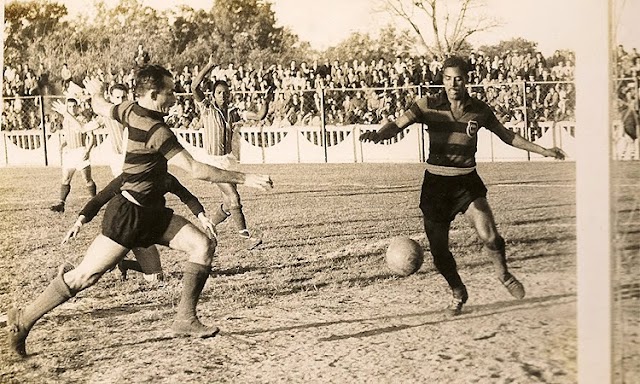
<point>442,26</point>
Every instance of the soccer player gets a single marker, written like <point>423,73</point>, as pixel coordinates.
<point>170,184</point>
<point>76,147</point>
<point>451,184</point>
<point>147,259</point>
<point>138,217</point>
<point>218,118</point>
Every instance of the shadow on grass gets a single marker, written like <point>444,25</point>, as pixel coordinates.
<point>122,310</point>
<point>470,312</point>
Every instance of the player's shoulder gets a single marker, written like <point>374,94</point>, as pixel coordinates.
<point>431,101</point>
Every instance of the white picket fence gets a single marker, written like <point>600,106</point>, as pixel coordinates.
<point>296,144</point>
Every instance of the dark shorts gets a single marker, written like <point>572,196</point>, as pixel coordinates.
<point>132,226</point>
<point>443,197</point>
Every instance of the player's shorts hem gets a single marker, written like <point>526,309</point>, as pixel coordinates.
<point>443,197</point>
<point>134,226</point>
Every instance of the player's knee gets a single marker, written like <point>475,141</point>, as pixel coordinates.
<point>78,280</point>
<point>231,200</point>
<point>204,249</point>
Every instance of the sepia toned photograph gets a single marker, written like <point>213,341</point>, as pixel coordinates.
<point>297,191</point>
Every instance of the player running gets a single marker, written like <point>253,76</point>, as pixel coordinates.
<point>451,184</point>
<point>170,185</point>
<point>218,118</point>
<point>138,217</point>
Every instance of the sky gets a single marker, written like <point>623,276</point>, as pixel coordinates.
<point>324,23</point>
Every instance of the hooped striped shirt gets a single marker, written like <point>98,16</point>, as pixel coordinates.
<point>453,142</point>
<point>150,145</point>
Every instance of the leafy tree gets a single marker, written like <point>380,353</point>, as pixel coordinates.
<point>389,44</point>
<point>26,25</point>
<point>517,44</point>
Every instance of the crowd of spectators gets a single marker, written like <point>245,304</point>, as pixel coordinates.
<point>518,85</point>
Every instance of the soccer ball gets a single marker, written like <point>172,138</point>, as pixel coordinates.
<point>404,256</point>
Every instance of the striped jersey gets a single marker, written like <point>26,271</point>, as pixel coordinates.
<point>150,145</point>
<point>73,136</point>
<point>115,131</point>
<point>218,127</point>
<point>453,142</point>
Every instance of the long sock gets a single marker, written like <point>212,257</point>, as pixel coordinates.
<point>64,192</point>
<point>148,259</point>
<point>131,265</point>
<point>238,218</point>
<point>446,265</point>
<point>55,294</point>
<point>91,187</point>
<point>219,215</point>
<point>499,259</point>
<point>193,281</point>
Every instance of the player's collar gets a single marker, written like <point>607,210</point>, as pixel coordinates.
<point>142,111</point>
<point>443,101</point>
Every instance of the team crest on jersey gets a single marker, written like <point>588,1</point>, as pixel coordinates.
<point>472,128</point>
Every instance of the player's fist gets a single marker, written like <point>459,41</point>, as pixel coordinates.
<point>258,181</point>
<point>372,136</point>
<point>556,153</point>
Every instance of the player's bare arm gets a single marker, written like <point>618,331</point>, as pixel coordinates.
<point>517,141</point>
<point>264,109</point>
<point>76,125</point>
<point>72,122</point>
<point>98,103</point>
<point>212,174</point>
<point>198,95</point>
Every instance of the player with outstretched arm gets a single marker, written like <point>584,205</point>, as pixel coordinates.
<point>170,185</point>
<point>451,183</point>
<point>138,217</point>
<point>218,119</point>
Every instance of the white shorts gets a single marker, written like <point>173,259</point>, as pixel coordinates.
<point>75,159</point>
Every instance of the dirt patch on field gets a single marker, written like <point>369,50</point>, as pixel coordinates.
<point>315,303</point>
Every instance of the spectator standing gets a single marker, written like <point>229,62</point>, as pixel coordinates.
<point>141,57</point>
<point>65,75</point>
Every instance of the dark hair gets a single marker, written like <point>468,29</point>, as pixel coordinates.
<point>117,86</point>
<point>150,77</point>
<point>456,62</point>
<point>218,83</point>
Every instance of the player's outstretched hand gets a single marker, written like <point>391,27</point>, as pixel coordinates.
<point>371,136</point>
<point>72,233</point>
<point>59,107</point>
<point>93,86</point>
<point>262,182</point>
<point>209,227</point>
<point>556,153</point>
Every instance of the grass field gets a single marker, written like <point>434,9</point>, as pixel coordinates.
<point>315,302</point>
